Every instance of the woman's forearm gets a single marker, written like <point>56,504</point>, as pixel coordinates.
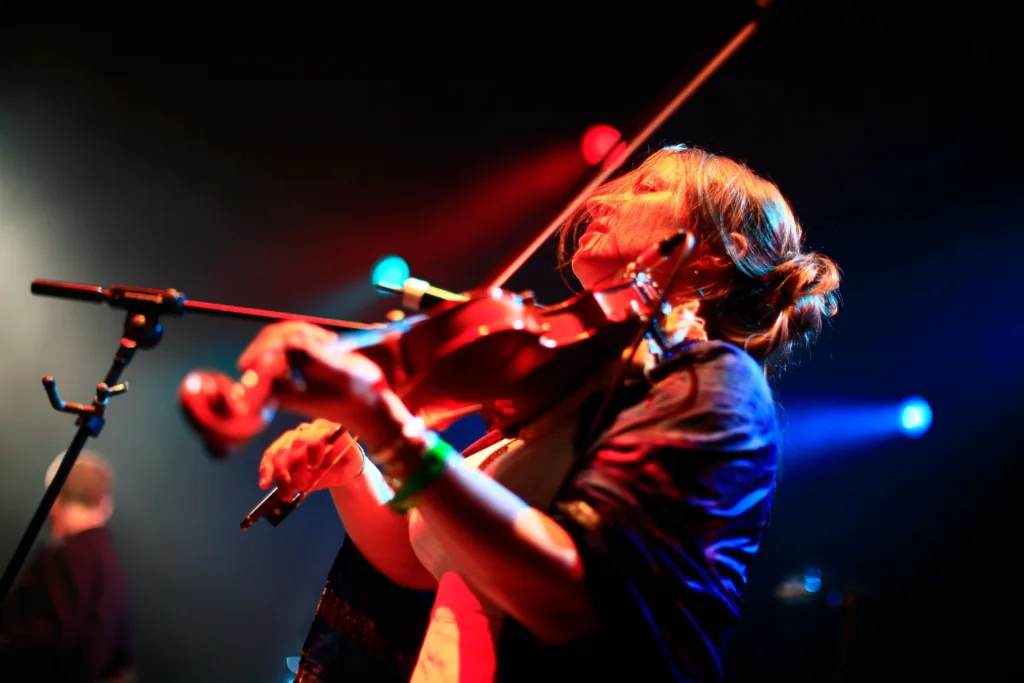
<point>381,535</point>
<point>516,555</point>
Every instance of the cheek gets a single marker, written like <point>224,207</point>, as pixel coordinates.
<point>652,218</point>
<point>640,236</point>
<point>582,270</point>
<point>593,270</point>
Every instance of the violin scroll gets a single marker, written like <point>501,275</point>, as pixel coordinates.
<point>225,413</point>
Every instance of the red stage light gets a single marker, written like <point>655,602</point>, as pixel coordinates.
<point>597,141</point>
<point>616,156</point>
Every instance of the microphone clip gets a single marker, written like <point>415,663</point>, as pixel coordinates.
<point>418,295</point>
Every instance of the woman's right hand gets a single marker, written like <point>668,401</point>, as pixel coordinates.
<point>302,460</point>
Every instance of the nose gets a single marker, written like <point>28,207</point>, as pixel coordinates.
<point>603,207</point>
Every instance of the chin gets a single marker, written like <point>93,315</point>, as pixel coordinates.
<point>592,273</point>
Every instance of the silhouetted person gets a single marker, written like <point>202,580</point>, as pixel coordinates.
<point>67,620</point>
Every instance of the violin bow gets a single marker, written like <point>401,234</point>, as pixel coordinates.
<point>608,165</point>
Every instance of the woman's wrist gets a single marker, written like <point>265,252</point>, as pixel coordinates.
<point>432,463</point>
<point>384,424</point>
<point>408,456</point>
<point>399,459</point>
<point>412,462</point>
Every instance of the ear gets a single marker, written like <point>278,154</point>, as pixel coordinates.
<point>713,263</point>
<point>107,507</point>
<point>739,244</point>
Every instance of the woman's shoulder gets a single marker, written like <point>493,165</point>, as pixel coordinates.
<point>715,366</point>
<point>711,386</point>
<point>715,353</point>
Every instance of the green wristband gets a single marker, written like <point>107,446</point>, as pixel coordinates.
<point>429,468</point>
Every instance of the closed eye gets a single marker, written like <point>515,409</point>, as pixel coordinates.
<point>646,188</point>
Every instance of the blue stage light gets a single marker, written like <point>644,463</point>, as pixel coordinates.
<point>915,416</point>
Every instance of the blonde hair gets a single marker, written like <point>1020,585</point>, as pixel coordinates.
<point>90,481</point>
<point>777,295</point>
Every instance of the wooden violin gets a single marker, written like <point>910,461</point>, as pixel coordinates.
<point>493,350</point>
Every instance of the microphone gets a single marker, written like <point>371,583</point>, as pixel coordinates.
<point>419,295</point>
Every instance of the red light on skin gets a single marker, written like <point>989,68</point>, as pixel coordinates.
<point>597,141</point>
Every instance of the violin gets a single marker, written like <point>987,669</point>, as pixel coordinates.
<point>530,355</point>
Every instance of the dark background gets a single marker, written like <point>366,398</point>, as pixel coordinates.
<point>273,168</point>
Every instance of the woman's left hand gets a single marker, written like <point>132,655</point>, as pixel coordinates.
<point>328,380</point>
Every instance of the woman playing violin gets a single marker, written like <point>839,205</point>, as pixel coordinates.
<point>622,554</point>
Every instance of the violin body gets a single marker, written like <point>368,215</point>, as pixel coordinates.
<point>506,353</point>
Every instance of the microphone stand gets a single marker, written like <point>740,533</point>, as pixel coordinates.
<point>142,330</point>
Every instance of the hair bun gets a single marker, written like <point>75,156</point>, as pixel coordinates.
<point>809,279</point>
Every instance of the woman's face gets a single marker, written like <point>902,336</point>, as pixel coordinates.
<point>636,214</point>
